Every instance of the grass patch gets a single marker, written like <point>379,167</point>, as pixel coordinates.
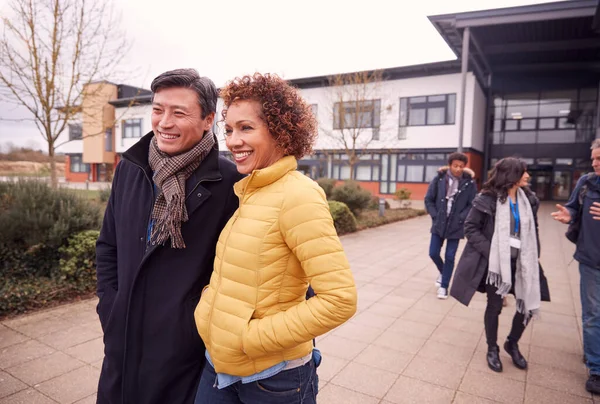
<point>370,218</point>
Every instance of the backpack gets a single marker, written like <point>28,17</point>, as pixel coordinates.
<point>572,233</point>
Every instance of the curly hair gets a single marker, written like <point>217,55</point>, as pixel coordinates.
<point>288,116</point>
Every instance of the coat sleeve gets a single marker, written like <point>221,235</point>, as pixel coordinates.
<point>430,198</point>
<point>307,228</point>
<point>106,254</point>
<point>474,232</point>
<point>573,203</point>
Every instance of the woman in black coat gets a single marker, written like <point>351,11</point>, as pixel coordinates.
<point>508,176</point>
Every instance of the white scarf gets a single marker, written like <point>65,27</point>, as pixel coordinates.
<point>527,277</point>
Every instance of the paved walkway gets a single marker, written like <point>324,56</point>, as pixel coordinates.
<point>404,345</point>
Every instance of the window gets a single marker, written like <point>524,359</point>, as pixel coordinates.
<point>428,110</point>
<point>76,165</point>
<point>108,140</point>
<point>132,128</point>
<point>356,114</point>
<point>75,132</point>
<point>547,117</point>
<point>315,109</point>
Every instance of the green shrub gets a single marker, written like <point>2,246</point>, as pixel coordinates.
<point>374,204</point>
<point>78,259</point>
<point>104,194</point>
<point>355,197</point>
<point>343,219</point>
<point>36,221</point>
<point>403,195</point>
<point>327,184</point>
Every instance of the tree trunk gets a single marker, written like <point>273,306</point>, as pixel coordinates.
<point>53,174</point>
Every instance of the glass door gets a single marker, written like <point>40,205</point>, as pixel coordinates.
<point>561,186</point>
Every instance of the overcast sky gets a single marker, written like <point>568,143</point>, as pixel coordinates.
<point>224,39</point>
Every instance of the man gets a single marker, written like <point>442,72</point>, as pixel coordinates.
<point>583,212</point>
<point>172,195</point>
<point>448,201</point>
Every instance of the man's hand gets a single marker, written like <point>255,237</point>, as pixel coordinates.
<point>564,216</point>
<point>595,211</point>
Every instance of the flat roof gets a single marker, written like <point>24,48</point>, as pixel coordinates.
<point>392,73</point>
<point>559,36</point>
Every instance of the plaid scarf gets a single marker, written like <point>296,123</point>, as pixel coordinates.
<point>170,175</point>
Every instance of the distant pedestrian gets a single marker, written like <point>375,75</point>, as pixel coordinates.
<point>448,201</point>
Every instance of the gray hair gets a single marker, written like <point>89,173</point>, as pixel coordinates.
<point>189,78</point>
<point>595,144</point>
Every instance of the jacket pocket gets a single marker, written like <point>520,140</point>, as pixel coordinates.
<point>105,307</point>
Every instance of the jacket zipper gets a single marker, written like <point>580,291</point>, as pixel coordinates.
<point>212,308</point>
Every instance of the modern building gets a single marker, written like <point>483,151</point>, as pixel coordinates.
<point>525,83</point>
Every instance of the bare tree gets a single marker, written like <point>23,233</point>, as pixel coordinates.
<point>356,111</point>
<point>50,53</point>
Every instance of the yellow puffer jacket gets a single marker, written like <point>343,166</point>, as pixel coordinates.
<point>254,314</point>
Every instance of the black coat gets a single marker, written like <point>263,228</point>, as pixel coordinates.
<point>450,226</point>
<point>472,268</point>
<point>148,293</point>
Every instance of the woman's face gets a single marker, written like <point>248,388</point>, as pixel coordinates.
<point>524,182</point>
<point>247,137</point>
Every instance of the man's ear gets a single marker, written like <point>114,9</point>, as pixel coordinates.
<point>209,120</point>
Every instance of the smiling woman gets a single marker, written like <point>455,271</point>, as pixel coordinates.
<point>253,317</point>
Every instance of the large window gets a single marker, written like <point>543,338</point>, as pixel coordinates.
<point>75,132</point>
<point>356,114</point>
<point>428,110</point>
<point>132,128</point>
<point>565,116</point>
<point>108,140</point>
<point>76,165</point>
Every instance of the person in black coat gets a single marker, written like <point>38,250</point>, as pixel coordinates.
<point>472,270</point>
<point>172,194</point>
<point>448,201</point>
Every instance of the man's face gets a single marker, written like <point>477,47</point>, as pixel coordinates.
<point>596,160</point>
<point>177,120</point>
<point>457,167</point>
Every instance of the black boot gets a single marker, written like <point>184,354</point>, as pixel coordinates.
<point>493,359</point>
<point>593,384</point>
<point>512,348</point>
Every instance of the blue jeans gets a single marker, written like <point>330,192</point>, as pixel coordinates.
<point>590,309</point>
<point>447,266</point>
<point>293,386</point>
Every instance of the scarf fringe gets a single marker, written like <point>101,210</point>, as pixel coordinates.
<point>529,314</point>
<point>169,224</point>
<point>495,279</point>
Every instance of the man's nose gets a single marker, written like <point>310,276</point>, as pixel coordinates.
<point>166,121</point>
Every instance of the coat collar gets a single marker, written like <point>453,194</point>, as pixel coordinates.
<point>266,176</point>
<point>208,170</point>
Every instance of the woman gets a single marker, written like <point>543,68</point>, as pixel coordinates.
<point>254,318</point>
<point>501,256</point>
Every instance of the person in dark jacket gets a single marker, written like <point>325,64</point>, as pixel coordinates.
<point>583,210</point>
<point>172,195</point>
<point>448,201</point>
<point>501,256</point>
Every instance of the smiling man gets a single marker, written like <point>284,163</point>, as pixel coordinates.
<point>172,194</point>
